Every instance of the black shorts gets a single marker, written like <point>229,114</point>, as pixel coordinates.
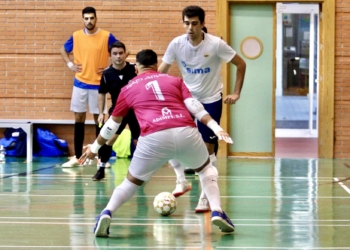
<point>214,109</point>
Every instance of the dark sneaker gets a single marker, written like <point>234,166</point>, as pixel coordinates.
<point>221,220</point>
<point>189,171</point>
<point>102,224</point>
<point>100,174</point>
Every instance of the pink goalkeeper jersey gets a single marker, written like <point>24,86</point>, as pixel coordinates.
<point>157,100</point>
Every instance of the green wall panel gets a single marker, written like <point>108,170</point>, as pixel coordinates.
<point>251,117</point>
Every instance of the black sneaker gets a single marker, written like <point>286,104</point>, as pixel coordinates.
<point>189,171</point>
<point>100,174</point>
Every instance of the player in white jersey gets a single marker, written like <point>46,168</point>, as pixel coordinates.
<point>200,65</point>
<point>199,56</point>
<point>163,106</point>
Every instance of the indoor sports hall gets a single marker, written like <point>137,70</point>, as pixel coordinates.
<point>284,183</point>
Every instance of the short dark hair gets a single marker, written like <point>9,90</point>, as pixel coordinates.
<point>205,30</point>
<point>88,10</point>
<point>147,57</point>
<point>193,11</point>
<point>116,45</point>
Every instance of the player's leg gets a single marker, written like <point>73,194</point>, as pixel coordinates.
<point>210,139</point>
<point>193,153</point>
<point>216,148</point>
<point>79,133</point>
<point>208,177</point>
<point>106,150</point>
<point>105,153</point>
<point>79,107</point>
<point>182,185</point>
<point>121,194</point>
<point>94,110</point>
<point>93,107</point>
<point>151,153</point>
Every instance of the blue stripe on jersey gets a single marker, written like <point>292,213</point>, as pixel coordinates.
<point>68,46</point>
<point>111,39</point>
<point>82,85</point>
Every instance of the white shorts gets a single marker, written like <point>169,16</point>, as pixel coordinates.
<point>82,98</point>
<point>184,144</point>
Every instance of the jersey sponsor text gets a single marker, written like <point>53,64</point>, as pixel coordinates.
<point>195,70</point>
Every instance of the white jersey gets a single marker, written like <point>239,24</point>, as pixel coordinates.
<point>200,66</point>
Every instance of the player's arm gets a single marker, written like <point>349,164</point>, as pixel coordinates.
<point>108,130</point>
<point>101,105</point>
<point>64,51</point>
<point>241,67</point>
<point>106,133</point>
<point>102,90</point>
<point>168,58</point>
<point>197,110</point>
<point>65,55</point>
<point>164,67</point>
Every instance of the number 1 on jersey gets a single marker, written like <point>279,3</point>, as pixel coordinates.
<point>156,90</point>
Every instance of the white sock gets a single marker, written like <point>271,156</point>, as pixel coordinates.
<point>101,165</point>
<point>179,170</point>
<point>209,180</point>
<point>121,194</point>
<point>212,158</point>
<point>203,196</point>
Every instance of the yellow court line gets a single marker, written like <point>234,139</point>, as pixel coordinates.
<point>207,231</point>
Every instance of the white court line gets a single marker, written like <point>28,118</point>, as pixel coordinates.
<point>194,177</point>
<point>155,223</point>
<point>23,194</point>
<point>169,247</point>
<point>150,196</point>
<point>164,219</point>
<point>105,247</point>
<point>91,224</point>
<point>102,247</point>
<point>342,185</point>
<point>93,218</point>
<point>87,176</point>
<point>281,248</point>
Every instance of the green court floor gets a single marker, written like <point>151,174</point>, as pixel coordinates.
<point>274,204</point>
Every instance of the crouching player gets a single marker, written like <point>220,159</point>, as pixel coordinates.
<point>163,106</point>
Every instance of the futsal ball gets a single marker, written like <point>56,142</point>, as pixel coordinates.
<point>164,203</point>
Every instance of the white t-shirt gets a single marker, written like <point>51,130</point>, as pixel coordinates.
<point>200,66</point>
